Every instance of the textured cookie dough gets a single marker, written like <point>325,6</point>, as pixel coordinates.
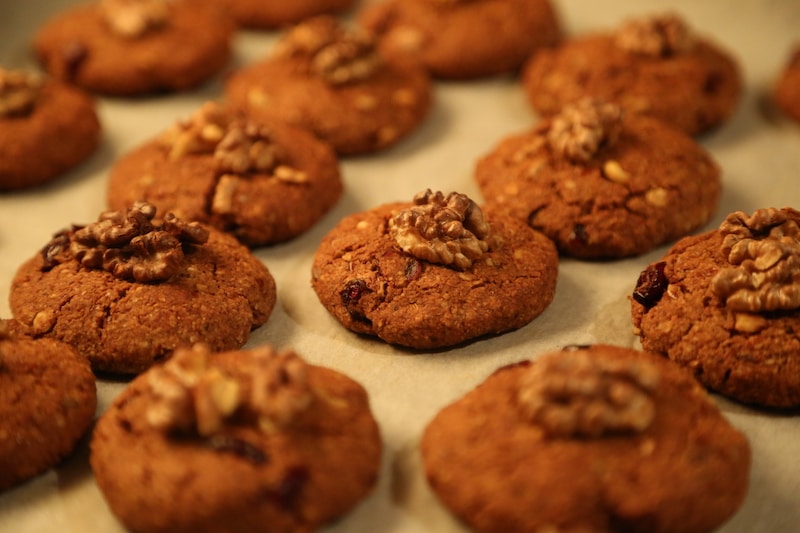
<point>724,305</point>
<point>594,439</point>
<point>47,403</point>
<point>433,273</point>
<point>272,14</point>
<point>333,81</point>
<point>787,88</point>
<point>127,290</point>
<point>602,183</point>
<point>46,128</point>
<point>653,65</point>
<point>263,184</point>
<point>462,39</point>
<point>236,441</point>
<point>136,47</point>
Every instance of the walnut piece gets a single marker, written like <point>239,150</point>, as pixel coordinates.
<point>575,394</point>
<point>133,18</point>
<point>336,54</point>
<point>200,134</point>
<point>764,250</point>
<point>580,130</point>
<point>247,148</point>
<point>659,36</point>
<point>447,230</point>
<point>18,92</point>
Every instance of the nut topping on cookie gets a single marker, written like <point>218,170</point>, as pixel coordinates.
<point>18,92</point>
<point>583,128</point>
<point>280,388</point>
<point>659,36</point>
<point>764,250</point>
<point>572,394</point>
<point>448,230</point>
<point>200,134</point>
<point>134,18</point>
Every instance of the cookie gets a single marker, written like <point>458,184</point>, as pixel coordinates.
<point>263,184</point>
<point>598,438</point>
<point>334,82</point>
<point>602,183</point>
<point>47,403</point>
<point>257,14</point>
<point>433,273</point>
<point>725,306</point>
<point>233,441</point>
<point>786,92</point>
<point>463,39</point>
<point>167,46</point>
<point>46,128</point>
<point>127,290</point>
<point>655,65</point>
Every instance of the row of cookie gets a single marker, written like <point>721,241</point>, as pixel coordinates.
<point>235,440</point>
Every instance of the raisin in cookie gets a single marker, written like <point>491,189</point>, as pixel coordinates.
<point>258,14</point>
<point>463,39</point>
<point>599,438</point>
<point>46,128</point>
<point>136,47</point>
<point>434,273</point>
<point>653,65</point>
<point>602,183</point>
<point>724,305</point>
<point>334,82</point>
<point>127,290</point>
<point>236,441</point>
<point>263,183</point>
<point>47,403</point>
<point>787,88</point>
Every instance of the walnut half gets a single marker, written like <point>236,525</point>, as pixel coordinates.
<point>447,230</point>
<point>658,36</point>
<point>18,92</point>
<point>575,394</point>
<point>579,131</point>
<point>134,18</point>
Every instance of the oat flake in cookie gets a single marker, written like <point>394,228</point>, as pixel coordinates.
<point>333,81</point>
<point>46,128</point>
<point>656,65</point>
<point>136,47</point>
<point>127,290</point>
<point>595,439</point>
<point>238,442</point>
<point>434,273</point>
<point>262,183</point>
<point>724,305</point>
<point>602,183</point>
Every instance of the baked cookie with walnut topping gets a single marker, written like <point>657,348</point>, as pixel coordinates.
<point>596,438</point>
<point>46,128</point>
<point>463,39</point>
<point>263,183</point>
<point>136,47</point>
<point>602,183</point>
<point>434,273</point>
<point>127,290</point>
<point>258,14</point>
<point>47,403</point>
<point>655,65</point>
<point>333,81</point>
<point>726,306</point>
<point>786,92</point>
<point>243,441</point>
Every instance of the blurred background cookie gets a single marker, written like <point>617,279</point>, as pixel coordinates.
<point>272,14</point>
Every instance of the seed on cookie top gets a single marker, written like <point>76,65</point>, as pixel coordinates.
<point>448,230</point>
<point>656,36</point>
<point>575,394</point>
<point>133,18</point>
<point>127,243</point>
<point>18,92</point>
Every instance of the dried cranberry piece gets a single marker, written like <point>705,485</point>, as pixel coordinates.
<point>238,447</point>
<point>413,270</point>
<point>651,285</point>
<point>291,485</point>
<point>353,291</point>
<point>579,237</point>
<point>73,54</point>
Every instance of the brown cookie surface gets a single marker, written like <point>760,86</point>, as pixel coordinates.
<point>166,46</point>
<point>287,444</point>
<point>214,292</point>
<point>544,445</point>
<point>642,183</point>
<point>463,39</point>
<point>47,403</point>
<point>46,128</point>
<point>787,88</point>
<point>332,82</point>
<point>258,14</point>
<point>366,280</point>
<point>654,66</point>
<point>726,315</point>
<point>263,185</point>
